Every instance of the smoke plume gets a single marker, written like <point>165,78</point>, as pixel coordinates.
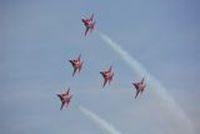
<point>107,127</point>
<point>167,103</point>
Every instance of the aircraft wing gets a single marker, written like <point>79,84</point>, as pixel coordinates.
<point>86,31</point>
<point>60,97</point>
<point>137,92</point>
<point>105,81</point>
<point>135,85</point>
<point>92,17</point>
<point>74,71</point>
<point>61,107</point>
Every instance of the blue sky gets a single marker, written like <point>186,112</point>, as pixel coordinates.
<point>38,37</point>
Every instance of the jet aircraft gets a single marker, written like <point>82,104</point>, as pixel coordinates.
<point>65,98</point>
<point>107,75</point>
<point>76,64</point>
<point>139,86</point>
<point>89,23</point>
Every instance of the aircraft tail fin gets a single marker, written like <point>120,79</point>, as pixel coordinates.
<point>79,57</point>
<point>110,68</point>
<point>92,17</point>
<point>112,76</point>
<point>68,90</point>
<point>93,25</point>
<point>142,81</point>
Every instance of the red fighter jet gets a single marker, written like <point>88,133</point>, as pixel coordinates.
<point>77,64</point>
<point>65,98</point>
<point>139,86</point>
<point>107,75</point>
<point>89,24</point>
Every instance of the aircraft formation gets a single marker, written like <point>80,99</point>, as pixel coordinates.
<point>107,74</point>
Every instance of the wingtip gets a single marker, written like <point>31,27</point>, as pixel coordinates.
<point>134,84</point>
<point>58,95</point>
<point>70,61</point>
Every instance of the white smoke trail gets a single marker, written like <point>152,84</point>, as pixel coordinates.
<point>166,102</point>
<point>107,127</point>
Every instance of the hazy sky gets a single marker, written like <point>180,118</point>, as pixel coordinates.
<point>38,37</point>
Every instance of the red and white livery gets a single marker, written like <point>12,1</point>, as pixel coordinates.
<point>107,75</point>
<point>65,98</point>
<point>76,64</point>
<point>139,86</point>
<point>89,23</point>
